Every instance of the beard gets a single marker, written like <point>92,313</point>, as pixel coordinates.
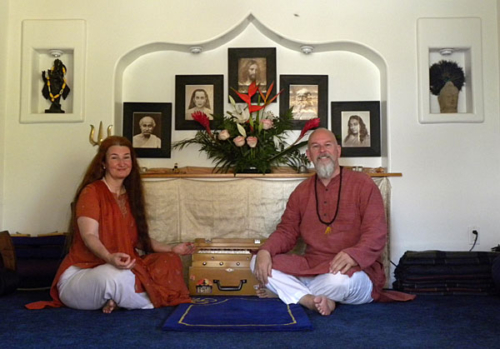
<point>324,170</point>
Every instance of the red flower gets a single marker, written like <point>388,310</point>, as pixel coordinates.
<point>252,108</point>
<point>202,118</point>
<point>264,98</point>
<point>247,98</point>
<point>313,123</point>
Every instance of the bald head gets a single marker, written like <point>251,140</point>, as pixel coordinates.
<point>324,133</point>
<point>147,124</point>
<point>147,120</point>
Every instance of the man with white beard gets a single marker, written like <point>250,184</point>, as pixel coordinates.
<point>340,216</point>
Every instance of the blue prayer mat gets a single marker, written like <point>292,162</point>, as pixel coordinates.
<point>245,314</point>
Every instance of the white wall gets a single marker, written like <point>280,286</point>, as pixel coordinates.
<point>4,15</point>
<point>450,171</point>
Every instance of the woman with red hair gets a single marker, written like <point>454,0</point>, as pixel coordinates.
<point>103,269</point>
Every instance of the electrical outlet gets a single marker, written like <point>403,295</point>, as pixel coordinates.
<point>473,237</point>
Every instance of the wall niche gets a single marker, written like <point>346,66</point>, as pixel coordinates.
<point>40,48</point>
<point>452,41</point>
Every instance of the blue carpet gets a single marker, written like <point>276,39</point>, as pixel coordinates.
<point>239,314</point>
<point>430,322</point>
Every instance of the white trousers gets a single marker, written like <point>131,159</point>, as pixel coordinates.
<point>337,287</point>
<point>90,289</point>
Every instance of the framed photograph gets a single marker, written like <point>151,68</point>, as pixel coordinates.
<point>251,64</point>
<point>357,127</point>
<point>307,95</point>
<point>197,93</point>
<point>148,126</point>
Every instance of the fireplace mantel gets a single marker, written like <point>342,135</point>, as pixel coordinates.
<point>277,172</point>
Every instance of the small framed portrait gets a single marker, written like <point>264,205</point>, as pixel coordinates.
<point>357,127</point>
<point>307,96</point>
<point>148,126</point>
<point>247,65</point>
<point>194,93</point>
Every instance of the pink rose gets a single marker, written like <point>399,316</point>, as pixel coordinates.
<point>267,124</point>
<point>252,142</point>
<point>239,141</point>
<point>223,135</point>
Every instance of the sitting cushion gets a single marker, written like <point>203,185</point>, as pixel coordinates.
<point>495,273</point>
<point>38,259</point>
<point>8,281</point>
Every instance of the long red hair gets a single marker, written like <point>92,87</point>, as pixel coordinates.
<point>133,186</point>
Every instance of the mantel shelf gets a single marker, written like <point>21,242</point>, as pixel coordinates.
<point>207,172</point>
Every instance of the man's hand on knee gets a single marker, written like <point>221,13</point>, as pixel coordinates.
<point>263,266</point>
<point>342,262</point>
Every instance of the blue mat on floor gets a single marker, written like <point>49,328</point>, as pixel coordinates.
<point>243,314</point>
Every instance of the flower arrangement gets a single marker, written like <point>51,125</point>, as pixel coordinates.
<point>248,138</point>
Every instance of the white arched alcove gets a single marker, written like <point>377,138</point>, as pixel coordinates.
<point>147,74</point>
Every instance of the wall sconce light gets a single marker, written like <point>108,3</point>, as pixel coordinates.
<point>56,53</point>
<point>306,49</point>
<point>195,49</point>
<point>446,51</point>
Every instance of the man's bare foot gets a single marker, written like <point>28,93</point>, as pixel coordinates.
<point>324,305</point>
<point>321,304</point>
<point>109,307</point>
<point>263,292</point>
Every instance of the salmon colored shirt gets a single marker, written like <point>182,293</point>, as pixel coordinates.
<point>159,274</point>
<point>360,230</point>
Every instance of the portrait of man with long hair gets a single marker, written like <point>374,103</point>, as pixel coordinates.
<point>252,70</point>
<point>357,130</point>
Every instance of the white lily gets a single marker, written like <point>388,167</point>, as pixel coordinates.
<point>241,114</point>
<point>241,130</point>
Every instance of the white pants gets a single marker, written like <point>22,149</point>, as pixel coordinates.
<point>337,287</point>
<point>90,289</point>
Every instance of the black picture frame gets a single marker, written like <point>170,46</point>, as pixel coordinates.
<point>186,86</point>
<point>262,57</point>
<point>161,113</point>
<point>369,113</point>
<point>314,88</point>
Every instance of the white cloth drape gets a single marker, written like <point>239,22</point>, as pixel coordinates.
<point>184,209</point>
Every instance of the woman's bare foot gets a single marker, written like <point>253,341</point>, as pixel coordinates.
<point>324,305</point>
<point>321,304</point>
<point>263,292</point>
<point>109,307</point>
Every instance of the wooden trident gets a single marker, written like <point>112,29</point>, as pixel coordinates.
<point>100,137</point>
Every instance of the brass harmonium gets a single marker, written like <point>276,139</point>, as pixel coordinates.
<point>222,267</point>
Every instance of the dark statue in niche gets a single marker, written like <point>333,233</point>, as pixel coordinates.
<point>55,86</point>
<point>446,80</point>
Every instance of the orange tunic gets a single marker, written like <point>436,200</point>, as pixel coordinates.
<point>159,274</point>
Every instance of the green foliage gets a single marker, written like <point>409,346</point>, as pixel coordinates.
<point>270,150</point>
<point>297,159</point>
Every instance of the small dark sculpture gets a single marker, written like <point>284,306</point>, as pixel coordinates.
<point>446,80</point>
<point>442,72</point>
<point>55,86</point>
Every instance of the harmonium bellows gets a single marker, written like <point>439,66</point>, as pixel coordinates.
<point>222,267</point>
